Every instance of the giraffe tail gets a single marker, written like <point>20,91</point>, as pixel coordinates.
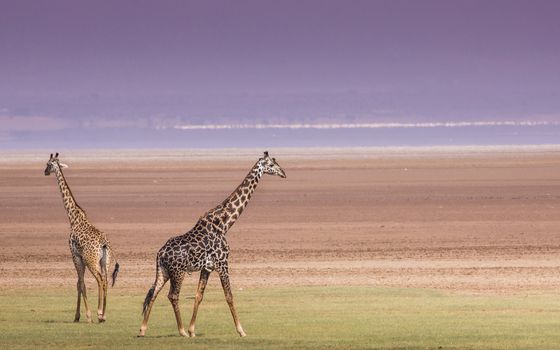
<point>105,251</point>
<point>152,290</point>
<point>115,273</point>
<point>149,297</point>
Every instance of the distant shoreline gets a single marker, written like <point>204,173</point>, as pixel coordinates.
<point>286,152</point>
<point>379,125</point>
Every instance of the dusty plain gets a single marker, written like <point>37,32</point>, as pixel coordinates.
<point>473,220</point>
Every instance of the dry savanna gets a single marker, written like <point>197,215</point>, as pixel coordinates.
<point>357,248</point>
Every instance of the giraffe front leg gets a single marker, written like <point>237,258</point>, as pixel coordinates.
<point>174,290</point>
<point>224,278</point>
<point>80,287</point>
<point>84,296</point>
<point>78,304</point>
<point>204,274</point>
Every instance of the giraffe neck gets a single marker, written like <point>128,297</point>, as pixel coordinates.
<point>75,213</point>
<point>225,214</point>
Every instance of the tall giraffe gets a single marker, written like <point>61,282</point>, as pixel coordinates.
<point>204,248</point>
<point>89,246</point>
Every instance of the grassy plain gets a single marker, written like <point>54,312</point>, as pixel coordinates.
<point>292,318</point>
<point>364,248</point>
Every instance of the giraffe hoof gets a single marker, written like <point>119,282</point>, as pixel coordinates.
<point>192,334</point>
<point>182,333</point>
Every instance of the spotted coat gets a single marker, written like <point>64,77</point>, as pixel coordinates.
<point>89,246</point>
<point>204,248</point>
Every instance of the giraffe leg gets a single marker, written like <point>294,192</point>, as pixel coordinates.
<point>174,290</point>
<point>224,278</point>
<point>78,304</point>
<point>80,287</point>
<point>99,278</point>
<point>198,299</point>
<point>103,263</point>
<point>80,269</point>
<point>161,279</point>
<point>84,296</point>
<point>105,288</point>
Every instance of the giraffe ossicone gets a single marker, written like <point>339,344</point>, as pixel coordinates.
<point>204,248</point>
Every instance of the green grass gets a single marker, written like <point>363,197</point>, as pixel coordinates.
<point>291,318</point>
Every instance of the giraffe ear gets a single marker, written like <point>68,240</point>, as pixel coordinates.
<point>62,165</point>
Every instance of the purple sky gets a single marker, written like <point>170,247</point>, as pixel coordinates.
<point>139,63</point>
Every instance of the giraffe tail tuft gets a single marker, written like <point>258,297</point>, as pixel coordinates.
<point>149,297</point>
<point>115,273</point>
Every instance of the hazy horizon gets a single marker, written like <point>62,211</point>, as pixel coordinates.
<point>291,73</point>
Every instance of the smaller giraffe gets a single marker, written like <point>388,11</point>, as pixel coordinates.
<point>204,248</point>
<point>89,246</point>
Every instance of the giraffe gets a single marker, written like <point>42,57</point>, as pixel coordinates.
<point>204,248</point>
<point>89,246</point>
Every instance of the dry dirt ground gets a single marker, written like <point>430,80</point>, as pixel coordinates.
<point>474,220</point>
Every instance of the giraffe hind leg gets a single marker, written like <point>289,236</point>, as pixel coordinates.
<point>105,284</point>
<point>96,269</point>
<point>161,279</point>
<point>103,262</point>
<point>99,280</point>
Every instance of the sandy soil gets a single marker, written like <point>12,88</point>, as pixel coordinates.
<point>457,219</point>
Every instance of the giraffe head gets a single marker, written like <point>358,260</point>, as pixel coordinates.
<point>271,167</point>
<point>52,164</point>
